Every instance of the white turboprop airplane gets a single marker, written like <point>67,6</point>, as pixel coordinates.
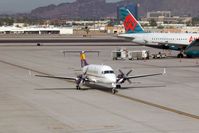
<point>183,42</point>
<point>93,73</point>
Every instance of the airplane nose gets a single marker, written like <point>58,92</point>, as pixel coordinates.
<point>112,78</point>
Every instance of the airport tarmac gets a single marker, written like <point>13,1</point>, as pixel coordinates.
<point>29,104</point>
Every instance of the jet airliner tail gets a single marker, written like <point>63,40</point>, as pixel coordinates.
<point>129,21</point>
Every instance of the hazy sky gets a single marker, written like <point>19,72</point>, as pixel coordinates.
<point>13,6</point>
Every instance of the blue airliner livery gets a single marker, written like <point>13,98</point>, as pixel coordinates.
<point>186,43</point>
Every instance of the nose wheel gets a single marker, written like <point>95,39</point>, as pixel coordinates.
<point>114,90</point>
<point>115,87</point>
<point>77,87</point>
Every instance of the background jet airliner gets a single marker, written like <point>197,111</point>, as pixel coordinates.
<point>182,42</point>
<point>93,73</point>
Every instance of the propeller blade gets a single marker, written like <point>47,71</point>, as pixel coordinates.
<point>78,79</point>
<point>85,72</point>
<point>129,81</point>
<point>121,72</point>
<point>129,72</point>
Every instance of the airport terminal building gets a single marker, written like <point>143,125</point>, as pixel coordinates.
<point>35,30</point>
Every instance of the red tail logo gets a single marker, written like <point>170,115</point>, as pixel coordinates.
<point>130,23</point>
<point>190,39</point>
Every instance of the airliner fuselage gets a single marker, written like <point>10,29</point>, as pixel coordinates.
<point>164,38</point>
<point>100,74</point>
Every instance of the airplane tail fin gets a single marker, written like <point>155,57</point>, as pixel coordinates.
<point>83,59</point>
<point>129,21</point>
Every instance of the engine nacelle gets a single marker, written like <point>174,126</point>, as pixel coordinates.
<point>174,47</point>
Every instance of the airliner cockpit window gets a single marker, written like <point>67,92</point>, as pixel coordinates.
<point>108,72</point>
<point>111,72</point>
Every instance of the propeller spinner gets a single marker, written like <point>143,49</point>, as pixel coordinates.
<point>81,79</point>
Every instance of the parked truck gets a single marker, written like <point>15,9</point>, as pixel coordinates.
<point>159,55</point>
<point>119,54</point>
<point>138,55</point>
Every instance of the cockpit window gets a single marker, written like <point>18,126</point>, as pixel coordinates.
<point>108,72</point>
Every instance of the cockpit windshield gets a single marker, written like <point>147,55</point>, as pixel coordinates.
<point>107,72</point>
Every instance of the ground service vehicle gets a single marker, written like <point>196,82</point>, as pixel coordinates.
<point>138,55</point>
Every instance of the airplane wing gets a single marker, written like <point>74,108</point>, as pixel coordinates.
<point>167,45</point>
<point>174,44</point>
<point>64,78</point>
<point>126,36</point>
<point>55,77</point>
<point>147,75</point>
<point>141,76</point>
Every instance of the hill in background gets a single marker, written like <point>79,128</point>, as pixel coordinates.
<point>95,9</point>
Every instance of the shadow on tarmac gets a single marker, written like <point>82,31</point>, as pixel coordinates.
<point>101,87</point>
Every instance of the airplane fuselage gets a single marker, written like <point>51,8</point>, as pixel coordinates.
<point>172,41</point>
<point>100,74</point>
<point>158,38</point>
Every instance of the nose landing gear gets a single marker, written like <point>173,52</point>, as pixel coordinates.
<point>114,90</point>
<point>78,87</point>
<point>115,87</point>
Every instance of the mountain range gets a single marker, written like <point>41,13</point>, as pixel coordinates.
<point>95,9</point>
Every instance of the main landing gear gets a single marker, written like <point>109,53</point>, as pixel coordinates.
<point>180,55</point>
<point>118,86</point>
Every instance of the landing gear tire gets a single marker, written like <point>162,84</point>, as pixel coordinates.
<point>118,86</point>
<point>77,87</point>
<point>189,56</point>
<point>180,55</point>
